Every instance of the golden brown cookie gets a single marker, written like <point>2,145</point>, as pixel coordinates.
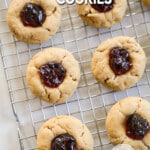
<point>55,131</point>
<point>53,75</point>
<point>146,2</point>
<point>34,21</point>
<point>128,122</point>
<point>102,16</point>
<point>118,63</point>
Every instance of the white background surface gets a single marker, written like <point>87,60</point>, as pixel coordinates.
<point>8,128</point>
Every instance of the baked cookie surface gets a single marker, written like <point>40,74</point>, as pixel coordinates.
<point>146,2</point>
<point>62,125</point>
<point>118,63</point>
<point>53,75</point>
<point>100,16</point>
<point>34,21</point>
<point>118,117</point>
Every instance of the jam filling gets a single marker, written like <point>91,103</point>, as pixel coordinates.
<point>64,142</point>
<point>136,127</point>
<point>52,74</point>
<point>103,7</point>
<point>119,60</point>
<point>32,15</point>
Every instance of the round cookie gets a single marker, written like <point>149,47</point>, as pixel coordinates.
<point>53,75</point>
<point>102,15</point>
<point>115,63</point>
<point>64,125</point>
<point>34,21</point>
<point>124,127</point>
<point>146,2</point>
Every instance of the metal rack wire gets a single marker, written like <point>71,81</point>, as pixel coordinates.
<point>91,100</point>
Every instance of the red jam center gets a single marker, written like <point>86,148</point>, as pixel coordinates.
<point>137,127</point>
<point>32,15</point>
<point>64,142</point>
<point>119,60</point>
<point>103,7</point>
<point>52,74</point>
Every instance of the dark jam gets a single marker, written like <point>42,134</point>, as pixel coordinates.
<point>103,7</point>
<point>52,74</point>
<point>119,60</point>
<point>64,142</point>
<point>32,15</point>
<point>137,127</point>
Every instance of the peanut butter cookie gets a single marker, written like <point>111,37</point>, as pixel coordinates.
<point>102,15</point>
<point>128,122</point>
<point>53,75</point>
<point>146,2</point>
<point>118,63</point>
<point>34,21</point>
<point>64,132</point>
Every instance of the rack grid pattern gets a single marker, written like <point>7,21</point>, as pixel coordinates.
<point>91,100</point>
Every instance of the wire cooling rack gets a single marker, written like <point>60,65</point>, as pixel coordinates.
<point>91,100</point>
